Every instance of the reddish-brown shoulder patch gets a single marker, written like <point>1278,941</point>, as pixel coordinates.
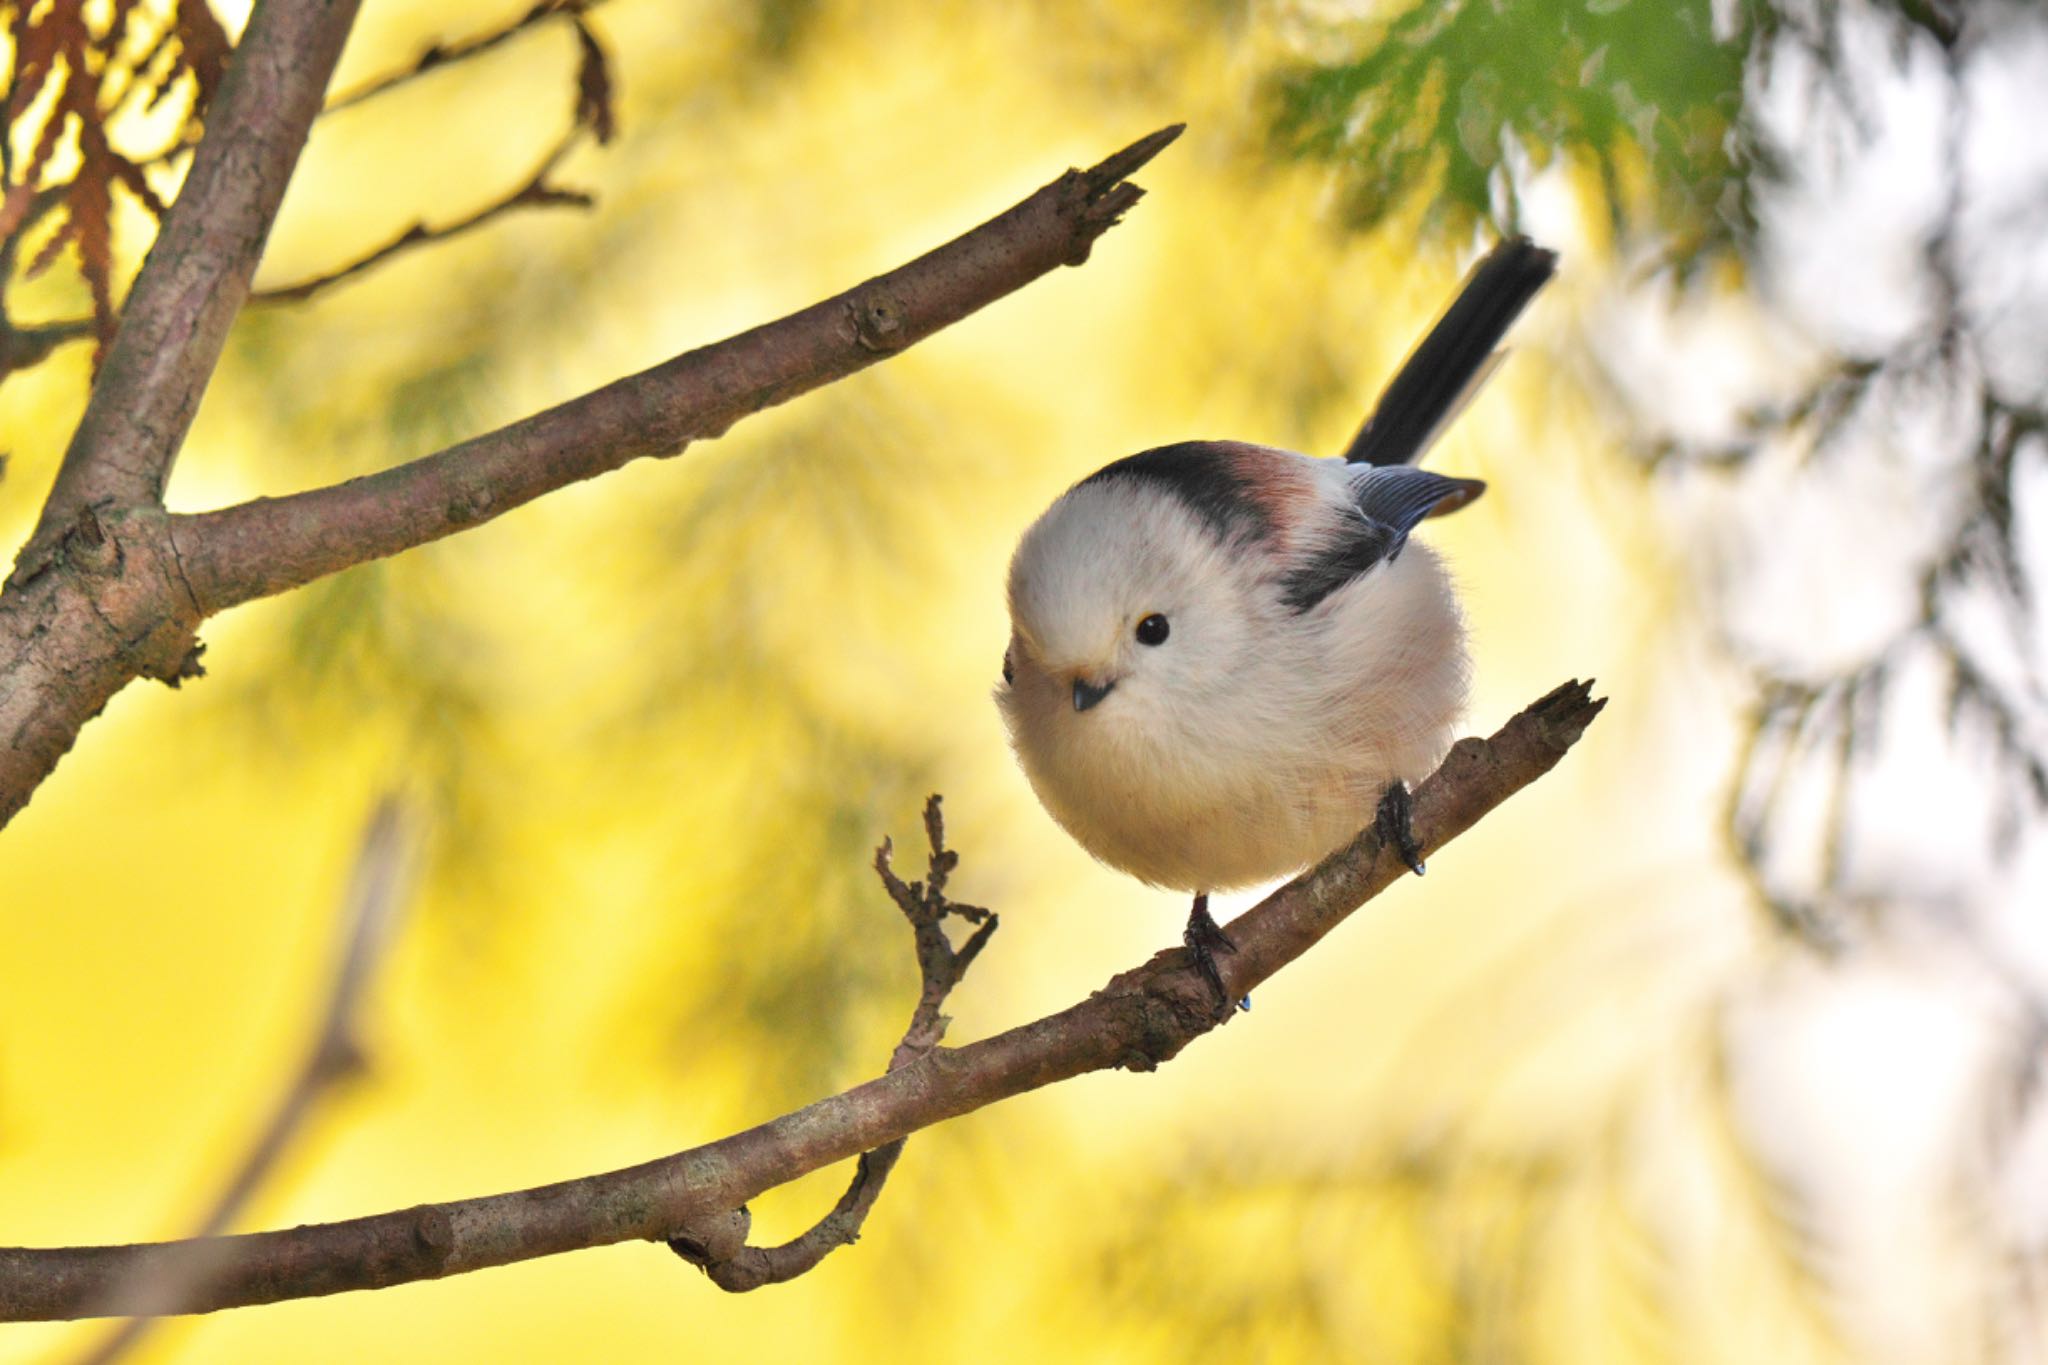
<point>1282,483</point>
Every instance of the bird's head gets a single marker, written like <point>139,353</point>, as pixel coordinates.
<point>1128,611</point>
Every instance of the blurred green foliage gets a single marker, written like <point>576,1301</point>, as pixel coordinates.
<point>1453,100</point>
<point>1441,99</point>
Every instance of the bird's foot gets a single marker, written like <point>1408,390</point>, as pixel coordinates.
<point>1205,939</point>
<point>1393,822</point>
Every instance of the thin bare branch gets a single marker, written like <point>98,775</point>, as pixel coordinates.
<point>369,912</point>
<point>21,209</point>
<point>1140,1019</point>
<point>274,544</point>
<point>439,57</point>
<point>533,192</point>
<point>22,347</point>
<point>177,314</point>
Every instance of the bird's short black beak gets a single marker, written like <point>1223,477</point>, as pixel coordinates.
<point>1087,694</point>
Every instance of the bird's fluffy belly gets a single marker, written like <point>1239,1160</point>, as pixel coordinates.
<point>1193,834</point>
<point>1268,760</point>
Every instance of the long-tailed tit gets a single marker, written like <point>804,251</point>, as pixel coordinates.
<point>1222,655</point>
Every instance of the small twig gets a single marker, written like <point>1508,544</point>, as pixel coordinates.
<point>940,966</point>
<point>20,210</point>
<point>439,57</point>
<point>23,347</point>
<point>534,192</point>
<point>719,1248</point>
<point>336,1055</point>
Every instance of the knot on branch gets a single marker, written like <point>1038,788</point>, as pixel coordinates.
<point>717,1245</point>
<point>877,320</point>
<point>714,1241</point>
<point>433,1237</point>
<point>83,544</point>
<point>88,546</point>
<point>1168,1005</point>
<point>113,592</point>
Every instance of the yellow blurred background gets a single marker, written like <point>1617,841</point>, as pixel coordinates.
<point>651,728</point>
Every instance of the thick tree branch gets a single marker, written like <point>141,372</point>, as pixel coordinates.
<point>1140,1019</point>
<point>176,317</point>
<point>274,544</point>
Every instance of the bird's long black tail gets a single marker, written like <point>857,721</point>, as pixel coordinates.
<point>1456,356</point>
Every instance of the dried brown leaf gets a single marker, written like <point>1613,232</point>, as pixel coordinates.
<point>37,43</point>
<point>14,207</point>
<point>594,85</point>
<point>206,48</point>
<point>117,24</point>
<point>46,143</point>
<point>159,66</point>
<point>46,255</point>
<point>91,210</point>
<point>131,175</point>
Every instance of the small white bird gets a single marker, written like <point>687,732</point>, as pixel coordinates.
<point>1223,655</point>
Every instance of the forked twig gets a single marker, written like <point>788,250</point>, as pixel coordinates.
<point>717,1245</point>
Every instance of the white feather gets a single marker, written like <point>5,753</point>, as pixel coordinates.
<point>1257,738</point>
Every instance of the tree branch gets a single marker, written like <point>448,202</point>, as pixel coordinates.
<point>24,347</point>
<point>439,57</point>
<point>176,317</point>
<point>336,1055</point>
<point>1141,1018</point>
<point>110,596</point>
<point>274,544</point>
<point>719,1249</point>
<point>533,192</point>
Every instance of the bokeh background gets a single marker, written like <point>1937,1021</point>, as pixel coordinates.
<point>1719,1044</point>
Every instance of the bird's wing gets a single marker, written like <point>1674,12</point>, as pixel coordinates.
<point>1386,504</point>
<point>1457,356</point>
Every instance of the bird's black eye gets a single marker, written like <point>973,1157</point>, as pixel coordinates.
<point>1153,630</point>
<point>1009,669</point>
